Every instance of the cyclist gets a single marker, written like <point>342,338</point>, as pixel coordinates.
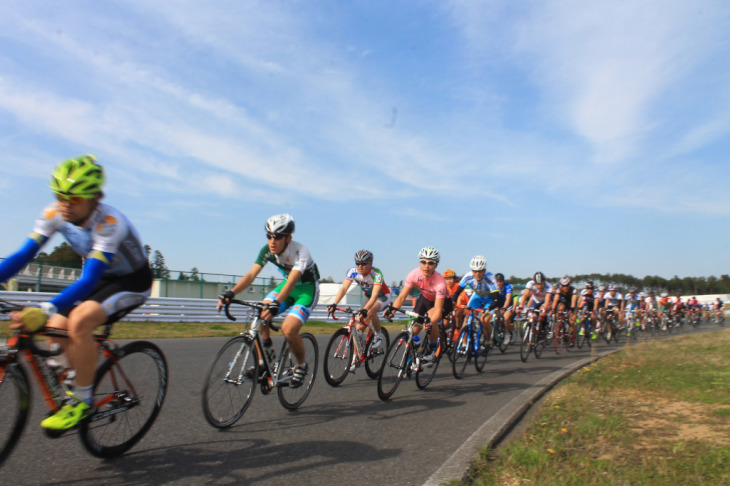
<point>614,304</point>
<point>649,307</point>
<point>505,302</point>
<point>299,291</point>
<point>678,310</point>
<point>484,290</point>
<point>587,304</point>
<point>458,314</point>
<point>432,302</point>
<point>664,305</point>
<point>116,276</point>
<point>600,307</point>
<point>566,298</point>
<point>695,308</point>
<point>538,295</point>
<point>719,309</point>
<point>372,283</point>
<point>632,304</point>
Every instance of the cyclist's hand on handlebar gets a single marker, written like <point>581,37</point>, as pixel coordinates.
<point>331,308</point>
<point>226,296</point>
<point>270,311</point>
<point>389,312</point>
<point>363,313</point>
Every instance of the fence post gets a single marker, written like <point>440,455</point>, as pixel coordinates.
<point>40,273</point>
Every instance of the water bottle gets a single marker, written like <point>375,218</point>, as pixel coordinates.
<point>416,341</point>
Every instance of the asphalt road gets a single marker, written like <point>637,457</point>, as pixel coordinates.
<point>343,435</point>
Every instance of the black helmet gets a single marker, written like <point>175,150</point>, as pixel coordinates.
<point>499,277</point>
<point>539,277</point>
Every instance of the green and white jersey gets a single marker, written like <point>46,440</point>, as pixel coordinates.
<point>295,257</point>
<point>367,282</point>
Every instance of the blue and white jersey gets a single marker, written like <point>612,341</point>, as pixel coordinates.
<point>504,292</point>
<point>632,301</point>
<point>482,287</point>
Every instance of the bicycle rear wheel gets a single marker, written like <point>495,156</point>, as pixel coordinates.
<point>129,390</point>
<point>395,366</point>
<point>501,332</point>
<point>338,357</point>
<point>376,357</point>
<point>15,404</point>
<point>485,346</point>
<point>230,383</point>
<point>292,397</point>
<point>461,353</point>
<point>558,334</point>
<point>539,342</point>
<point>427,370</point>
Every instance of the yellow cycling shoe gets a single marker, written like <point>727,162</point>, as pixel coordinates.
<point>68,416</point>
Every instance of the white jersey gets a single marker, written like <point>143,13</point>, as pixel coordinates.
<point>107,231</point>
<point>538,296</point>
<point>613,300</point>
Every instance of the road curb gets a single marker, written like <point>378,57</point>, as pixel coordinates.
<point>495,428</point>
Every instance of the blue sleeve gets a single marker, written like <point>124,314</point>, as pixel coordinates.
<point>93,270</point>
<point>15,262</point>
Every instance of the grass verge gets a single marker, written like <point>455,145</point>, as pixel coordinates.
<point>654,413</point>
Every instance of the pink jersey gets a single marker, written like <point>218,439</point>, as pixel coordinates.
<point>430,287</point>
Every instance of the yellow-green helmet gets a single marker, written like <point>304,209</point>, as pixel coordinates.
<point>81,176</point>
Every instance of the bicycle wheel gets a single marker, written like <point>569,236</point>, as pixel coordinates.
<point>480,360</point>
<point>129,389</point>
<point>539,342</point>
<point>558,334</point>
<point>15,404</point>
<point>376,357</point>
<point>427,371</point>
<point>461,353</point>
<point>501,332</point>
<point>395,366</point>
<point>526,344</point>
<point>230,383</point>
<point>292,397</point>
<point>338,357</point>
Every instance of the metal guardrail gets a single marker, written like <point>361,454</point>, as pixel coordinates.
<point>165,309</point>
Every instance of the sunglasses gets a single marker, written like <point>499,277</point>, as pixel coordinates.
<point>73,200</point>
<point>428,262</point>
<point>272,236</point>
<point>362,264</point>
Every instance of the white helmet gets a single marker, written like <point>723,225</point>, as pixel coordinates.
<point>281,224</point>
<point>478,263</point>
<point>429,253</point>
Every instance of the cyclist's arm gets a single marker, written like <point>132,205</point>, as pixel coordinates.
<point>525,296</point>
<point>247,279</point>
<point>15,262</point>
<point>437,311</point>
<point>507,301</point>
<point>373,297</point>
<point>94,266</point>
<point>402,296</point>
<point>343,290</point>
<point>574,301</point>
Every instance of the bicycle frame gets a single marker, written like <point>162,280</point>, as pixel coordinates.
<point>350,326</point>
<point>472,340</point>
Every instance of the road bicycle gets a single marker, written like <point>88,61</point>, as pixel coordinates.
<point>405,357</point>
<point>348,349</point>
<point>471,344</point>
<point>608,329</point>
<point>129,389</point>
<point>241,364</point>
<point>634,328</point>
<point>499,330</point>
<point>586,325</point>
<point>560,330</point>
<point>533,337</point>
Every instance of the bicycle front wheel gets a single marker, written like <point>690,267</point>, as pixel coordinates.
<point>292,397</point>
<point>338,357</point>
<point>376,357</point>
<point>461,354</point>
<point>129,390</point>
<point>230,383</point>
<point>526,345</point>
<point>395,366</point>
<point>485,346</point>
<point>14,403</point>
<point>427,370</point>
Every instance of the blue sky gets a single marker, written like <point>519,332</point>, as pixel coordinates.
<point>562,136</point>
